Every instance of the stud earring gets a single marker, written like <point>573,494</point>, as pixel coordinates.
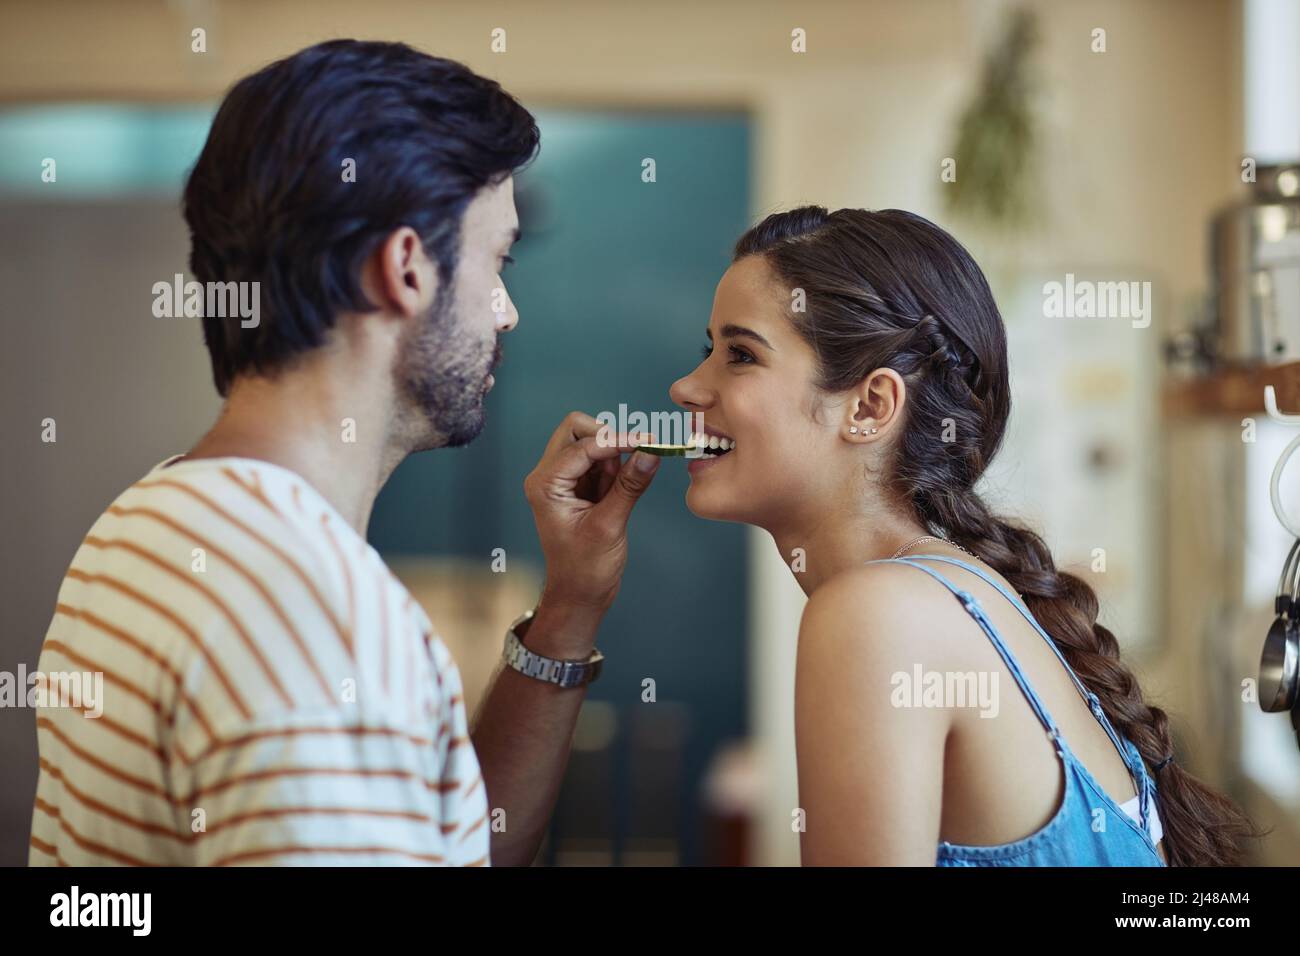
<point>853,429</point>
<point>873,431</point>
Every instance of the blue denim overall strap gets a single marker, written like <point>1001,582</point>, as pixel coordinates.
<point>1142,783</point>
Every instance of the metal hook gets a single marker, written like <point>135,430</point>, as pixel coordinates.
<point>1275,485</point>
<point>1270,405</point>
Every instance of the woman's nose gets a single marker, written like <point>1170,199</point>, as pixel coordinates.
<point>690,393</point>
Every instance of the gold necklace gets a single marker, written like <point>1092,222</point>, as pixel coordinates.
<point>928,537</point>
<point>935,537</point>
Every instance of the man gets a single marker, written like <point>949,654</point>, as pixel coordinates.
<point>274,695</point>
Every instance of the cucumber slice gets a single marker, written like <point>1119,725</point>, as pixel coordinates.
<point>666,451</point>
<point>677,451</point>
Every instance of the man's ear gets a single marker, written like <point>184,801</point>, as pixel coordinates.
<point>400,277</point>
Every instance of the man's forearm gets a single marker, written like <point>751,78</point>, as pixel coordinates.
<point>523,731</point>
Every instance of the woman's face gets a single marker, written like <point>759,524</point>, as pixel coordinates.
<point>757,388</point>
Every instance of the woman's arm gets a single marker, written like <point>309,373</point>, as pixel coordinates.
<point>870,765</point>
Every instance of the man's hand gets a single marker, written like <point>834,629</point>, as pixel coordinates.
<point>581,499</point>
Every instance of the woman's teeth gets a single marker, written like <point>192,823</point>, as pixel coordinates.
<point>711,444</point>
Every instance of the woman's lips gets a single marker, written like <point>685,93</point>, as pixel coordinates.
<point>697,465</point>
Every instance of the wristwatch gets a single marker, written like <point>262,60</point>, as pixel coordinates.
<point>560,673</point>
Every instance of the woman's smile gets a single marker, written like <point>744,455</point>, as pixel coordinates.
<point>700,464</point>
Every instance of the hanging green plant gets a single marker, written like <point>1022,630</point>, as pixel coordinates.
<point>997,134</point>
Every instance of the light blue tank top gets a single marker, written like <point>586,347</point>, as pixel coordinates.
<point>1089,829</point>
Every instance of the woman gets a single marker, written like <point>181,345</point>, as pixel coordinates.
<point>860,360</point>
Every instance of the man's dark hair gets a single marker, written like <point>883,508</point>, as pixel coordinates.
<point>267,200</point>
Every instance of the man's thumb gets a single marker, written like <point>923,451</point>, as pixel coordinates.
<point>633,479</point>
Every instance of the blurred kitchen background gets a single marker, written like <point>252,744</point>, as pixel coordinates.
<point>1128,140</point>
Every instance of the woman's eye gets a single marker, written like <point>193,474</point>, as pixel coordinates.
<point>738,355</point>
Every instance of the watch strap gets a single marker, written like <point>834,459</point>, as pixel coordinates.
<point>562,673</point>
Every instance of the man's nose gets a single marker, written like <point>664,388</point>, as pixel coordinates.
<point>503,307</point>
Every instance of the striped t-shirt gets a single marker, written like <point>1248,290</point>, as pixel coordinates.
<point>271,694</point>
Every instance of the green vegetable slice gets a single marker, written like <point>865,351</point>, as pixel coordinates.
<point>664,451</point>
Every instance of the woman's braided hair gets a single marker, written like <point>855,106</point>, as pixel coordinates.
<point>889,288</point>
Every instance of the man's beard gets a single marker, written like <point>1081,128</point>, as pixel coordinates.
<point>442,378</point>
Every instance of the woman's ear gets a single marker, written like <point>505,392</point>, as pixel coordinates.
<point>874,405</point>
<point>401,278</point>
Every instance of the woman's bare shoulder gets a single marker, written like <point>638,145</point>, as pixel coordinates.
<point>886,614</point>
<point>883,597</point>
<point>868,762</point>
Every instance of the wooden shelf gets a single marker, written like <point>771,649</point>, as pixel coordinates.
<point>1233,392</point>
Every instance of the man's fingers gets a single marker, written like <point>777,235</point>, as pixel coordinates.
<point>632,481</point>
<point>579,425</point>
<point>608,473</point>
<point>572,462</point>
<point>575,427</point>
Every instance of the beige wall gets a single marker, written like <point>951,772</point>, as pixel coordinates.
<point>1142,143</point>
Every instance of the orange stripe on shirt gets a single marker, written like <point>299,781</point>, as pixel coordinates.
<point>147,786</point>
<point>174,619</point>
<point>347,575</point>
<point>60,648</point>
<point>254,487</point>
<point>481,820</point>
<point>121,730</point>
<point>86,844</point>
<point>283,850</point>
<point>47,848</point>
<point>266,542</point>
<point>474,786</point>
<point>242,739</point>
<point>312,811</point>
<point>249,644</point>
<point>247,575</point>
<point>131,641</point>
<point>191,799</point>
<point>95,806</point>
<point>261,775</point>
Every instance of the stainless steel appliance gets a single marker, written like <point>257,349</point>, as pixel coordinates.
<point>1255,270</point>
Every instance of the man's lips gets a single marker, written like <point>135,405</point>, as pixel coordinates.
<point>490,379</point>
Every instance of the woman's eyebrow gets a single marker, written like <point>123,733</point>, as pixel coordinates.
<point>739,331</point>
